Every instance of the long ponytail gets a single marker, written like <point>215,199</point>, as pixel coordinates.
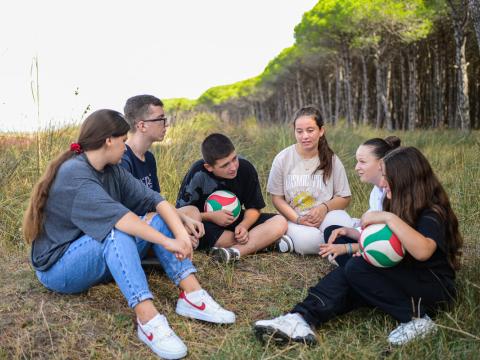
<point>33,217</point>
<point>96,128</point>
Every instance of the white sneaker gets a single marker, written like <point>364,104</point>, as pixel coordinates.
<point>200,305</point>
<point>284,329</point>
<point>418,327</point>
<point>284,244</point>
<point>159,337</point>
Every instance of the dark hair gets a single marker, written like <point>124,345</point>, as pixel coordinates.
<point>137,108</point>
<point>415,188</point>
<point>216,146</point>
<point>382,146</point>
<point>325,153</point>
<point>97,127</point>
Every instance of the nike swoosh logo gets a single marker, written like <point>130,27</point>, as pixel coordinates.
<point>149,336</point>
<point>199,307</point>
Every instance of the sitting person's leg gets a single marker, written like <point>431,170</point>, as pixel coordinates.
<point>331,297</point>
<point>306,239</point>
<point>194,302</point>
<point>263,233</point>
<point>407,294</point>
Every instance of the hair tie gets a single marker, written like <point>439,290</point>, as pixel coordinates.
<point>76,147</point>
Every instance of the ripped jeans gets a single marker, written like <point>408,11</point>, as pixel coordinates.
<point>89,262</point>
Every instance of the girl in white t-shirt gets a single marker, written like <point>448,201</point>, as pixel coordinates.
<point>308,181</point>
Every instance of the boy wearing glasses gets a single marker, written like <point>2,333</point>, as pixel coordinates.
<point>221,169</point>
<point>148,124</point>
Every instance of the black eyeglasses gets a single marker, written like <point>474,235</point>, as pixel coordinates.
<point>162,118</point>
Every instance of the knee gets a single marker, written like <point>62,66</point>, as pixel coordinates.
<point>282,224</point>
<point>356,268</point>
<point>160,225</point>
<point>328,231</point>
<point>337,217</point>
<point>191,211</point>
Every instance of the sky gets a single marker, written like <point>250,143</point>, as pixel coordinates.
<point>98,53</point>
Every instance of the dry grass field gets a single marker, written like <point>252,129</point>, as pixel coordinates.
<point>38,324</point>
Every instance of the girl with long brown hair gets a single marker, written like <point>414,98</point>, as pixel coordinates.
<point>308,185</point>
<point>90,221</point>
<point>418,211</point>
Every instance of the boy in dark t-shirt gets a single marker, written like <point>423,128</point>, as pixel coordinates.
<point>222,169</point>
<point>148,124</point>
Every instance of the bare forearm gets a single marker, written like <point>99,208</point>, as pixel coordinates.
<point>170,215</point>
<point>133,225</point>
<point>249,218</point>
<point>284,208</point>
<point>338,203</point>
<point>417,245</point>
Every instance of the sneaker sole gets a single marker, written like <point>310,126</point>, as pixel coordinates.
<point>268,333</point>
<point>220,256</point>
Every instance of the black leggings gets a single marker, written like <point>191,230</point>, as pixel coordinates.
<point>401,291</point>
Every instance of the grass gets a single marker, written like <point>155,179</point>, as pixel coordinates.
<point>38,324</point>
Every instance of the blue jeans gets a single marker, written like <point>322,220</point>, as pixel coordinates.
<point>88,262</point>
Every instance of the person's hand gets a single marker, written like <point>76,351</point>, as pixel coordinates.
<point>316,215</point>
<point>336,233</point>
<point>195,242</point>
<point>241,234</point>
<point>182,248</point>
<point>304,220</point>
<point>222,217</point>
<point>333,249</point>
<point>194,227</point>
<point>374,217</point>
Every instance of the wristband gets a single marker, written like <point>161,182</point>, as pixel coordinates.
<point>325,206</point>
<point>298,220</point>
<point>349,250</point>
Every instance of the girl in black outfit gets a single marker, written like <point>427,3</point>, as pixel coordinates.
<point>418,211</point>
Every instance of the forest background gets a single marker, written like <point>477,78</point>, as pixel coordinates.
<point>391,64</point>
<point>374,68</point>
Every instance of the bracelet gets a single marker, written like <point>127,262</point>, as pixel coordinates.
<point>349,250</point>
<point>325,206</point>
<point>298,220</point>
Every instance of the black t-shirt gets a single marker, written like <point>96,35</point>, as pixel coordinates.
<point>145,171</point>
<point>430,225</point>
<point>199,183</point>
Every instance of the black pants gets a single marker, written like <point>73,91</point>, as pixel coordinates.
<point>401,291</point>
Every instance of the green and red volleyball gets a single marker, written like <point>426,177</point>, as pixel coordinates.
<point>223,200</point>
<point>380,246</point>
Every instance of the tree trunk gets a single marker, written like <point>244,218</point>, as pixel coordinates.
<point>338,92</point>
<point>474,7</point>
<point>347,82</point>
<point>462,116</point>
<point>321,99</point>
<point>386,97</point>
<point>364,110</point>
<point>404,107</point>
<point>379,91</point>
<point>412,87</point>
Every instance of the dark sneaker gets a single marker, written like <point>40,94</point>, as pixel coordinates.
<point>225,255</point>
<point>284,244</point>
<point>285,329</point>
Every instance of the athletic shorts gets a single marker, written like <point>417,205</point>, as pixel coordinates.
<point>214,231</point>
